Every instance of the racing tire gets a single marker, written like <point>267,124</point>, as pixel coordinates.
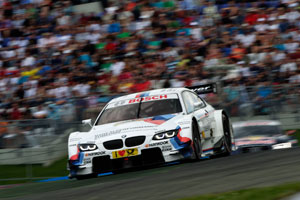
<point>227,143</point>
<point>88,176</point>
<point>197,147</point>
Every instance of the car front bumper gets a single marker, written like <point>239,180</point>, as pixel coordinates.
<point>155,153</point>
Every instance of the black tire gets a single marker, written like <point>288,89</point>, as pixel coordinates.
<point>196,142</point>
<point>227,143</point>
<point>88,176</point>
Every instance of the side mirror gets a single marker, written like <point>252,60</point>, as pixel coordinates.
<point>87,121</point>
<point>197,105</point>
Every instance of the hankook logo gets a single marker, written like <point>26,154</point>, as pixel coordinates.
<point>123,136</point>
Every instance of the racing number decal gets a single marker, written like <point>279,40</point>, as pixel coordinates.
<point>125,153</point>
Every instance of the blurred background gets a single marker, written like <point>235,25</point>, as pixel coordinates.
<point>62,61</point>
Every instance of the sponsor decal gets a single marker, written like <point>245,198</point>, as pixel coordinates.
<point>187,127</point>
<point>184,122</point>
<point>97,136</point>
<point>87,161</point>
<point>166,148</point>
<point>136,127</point>
<point>74,139</point>
<point>148,98</point>
<point>169,90</point>
<point>114,132</point>
<point>72,145</point>
<point>95,153</point>
<point>125,153</point>
<point>158,144</point>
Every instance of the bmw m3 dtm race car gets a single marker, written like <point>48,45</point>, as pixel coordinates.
<point>147,128</point>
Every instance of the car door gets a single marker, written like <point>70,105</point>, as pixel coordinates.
<point>196,106</point>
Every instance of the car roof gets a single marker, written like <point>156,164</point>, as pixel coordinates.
<point>256,123</point>
<point>150,93</point>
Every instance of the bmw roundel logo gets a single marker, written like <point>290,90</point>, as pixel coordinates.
<point>123,136</point>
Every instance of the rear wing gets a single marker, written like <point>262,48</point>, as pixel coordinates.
<point>204,89</point>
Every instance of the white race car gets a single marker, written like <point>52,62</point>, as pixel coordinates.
<point>147,128</point>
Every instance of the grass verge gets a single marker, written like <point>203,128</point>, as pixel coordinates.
<point>297,135</point>
<point>266,193</point>
<point>58,168</point>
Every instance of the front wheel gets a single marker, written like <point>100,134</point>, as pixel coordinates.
<point>196,142</point>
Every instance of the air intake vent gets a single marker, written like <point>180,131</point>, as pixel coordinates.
<point>113,144</point>
<point>134,141</point>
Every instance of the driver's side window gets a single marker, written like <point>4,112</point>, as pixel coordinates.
<point>190,99</point>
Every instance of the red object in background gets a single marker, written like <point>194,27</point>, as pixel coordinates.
<point>104,78</point>
<point>113,88</point>
<point>187,20</point>
<point>264,16</point>
<point>130,6</point>
<point>251,18</point>
<point>149,65</point>
<point>295,55</point>
<point>15,114</point>
<point>111,46</point>
<point>139,87</point>
<point>188,83</point>
<point>8,72</point>
<point>124,76</point>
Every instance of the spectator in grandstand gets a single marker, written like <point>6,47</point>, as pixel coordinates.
<point>231,97</point>
<point>40,112</point>
<point>262,101</point>
<point>47,48</point>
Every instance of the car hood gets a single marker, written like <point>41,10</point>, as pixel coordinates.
<point>129,128</point>
<point>255,140</point>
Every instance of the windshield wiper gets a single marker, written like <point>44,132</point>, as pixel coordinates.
<point>139,108</point>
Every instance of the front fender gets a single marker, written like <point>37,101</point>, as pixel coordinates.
<point>73,141</point>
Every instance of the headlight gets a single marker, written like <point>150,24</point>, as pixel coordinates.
<point>87,147</point>
<point>166,135</point>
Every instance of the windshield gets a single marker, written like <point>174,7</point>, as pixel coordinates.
<point>140,110</point>
<point>246,131</point>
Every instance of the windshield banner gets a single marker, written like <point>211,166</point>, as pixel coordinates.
<point>143,99</point>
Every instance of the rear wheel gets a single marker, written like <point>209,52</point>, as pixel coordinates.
<point>227,143</point>
<point>196,142</point>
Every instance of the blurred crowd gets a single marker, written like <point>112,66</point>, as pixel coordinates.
<point>54,61</point>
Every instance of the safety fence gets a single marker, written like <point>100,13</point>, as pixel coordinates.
<point>26,144</point>
<point>277,102</point>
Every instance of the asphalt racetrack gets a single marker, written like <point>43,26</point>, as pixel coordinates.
<point>174,181</point>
